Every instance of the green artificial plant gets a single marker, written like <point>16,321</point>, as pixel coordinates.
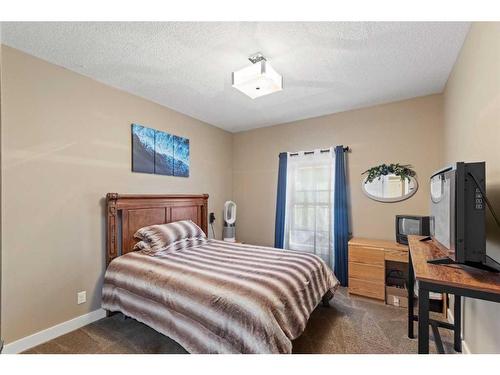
<point>405,172</point>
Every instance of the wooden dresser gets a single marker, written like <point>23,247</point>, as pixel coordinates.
<point>367,265</point>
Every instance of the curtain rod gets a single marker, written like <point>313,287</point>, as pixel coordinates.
<point>346,149</point>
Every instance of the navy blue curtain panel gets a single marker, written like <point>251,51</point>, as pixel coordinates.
<point>340,223</point>
<point>279,225</point>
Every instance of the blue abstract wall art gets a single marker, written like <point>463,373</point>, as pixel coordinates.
<point>154,151</point>
<point>181,156</point>
<point>143,149</point>
<point>164,153</point>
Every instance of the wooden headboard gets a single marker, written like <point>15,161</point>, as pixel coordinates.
<point>127,213</point>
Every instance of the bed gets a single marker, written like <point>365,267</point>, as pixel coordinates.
<point>212,296</point>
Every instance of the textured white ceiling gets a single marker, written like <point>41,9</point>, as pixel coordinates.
<point>326,67</point>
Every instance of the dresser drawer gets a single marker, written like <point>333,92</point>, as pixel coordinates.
<point>366,272</point>
<point>366,255</point>
<point>367,288</point>
<point>396,256</point>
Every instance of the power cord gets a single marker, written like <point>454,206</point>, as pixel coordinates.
<point>211,220</point>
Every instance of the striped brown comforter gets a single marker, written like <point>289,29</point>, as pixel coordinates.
<point>219,297</point>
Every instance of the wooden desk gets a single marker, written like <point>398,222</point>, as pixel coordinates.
<point>367,265</point>
<point>462,281</point>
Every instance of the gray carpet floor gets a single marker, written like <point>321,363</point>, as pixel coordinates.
<point>350,325</point>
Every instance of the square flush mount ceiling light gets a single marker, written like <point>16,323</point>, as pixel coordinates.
<point>259,79</point>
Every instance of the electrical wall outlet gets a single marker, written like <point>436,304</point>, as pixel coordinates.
<point>81,297</point>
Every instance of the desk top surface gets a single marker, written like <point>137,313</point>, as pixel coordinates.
<point>380,244</point>
<point>454,275</point>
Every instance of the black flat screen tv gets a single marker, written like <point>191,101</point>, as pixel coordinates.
<point>458,219</point>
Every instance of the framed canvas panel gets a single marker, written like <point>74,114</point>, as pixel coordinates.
<point>143,149</point>
<point>181,156</point>
<point>164,153</point>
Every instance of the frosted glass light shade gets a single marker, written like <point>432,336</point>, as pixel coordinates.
<point>257,80</point>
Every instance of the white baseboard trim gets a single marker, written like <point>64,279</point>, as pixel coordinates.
<point>465,348</point>
<point>38,338</point>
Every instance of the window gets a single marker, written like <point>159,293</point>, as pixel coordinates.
<point>309,203</point>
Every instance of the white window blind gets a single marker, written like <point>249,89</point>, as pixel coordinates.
<point>309,203</point>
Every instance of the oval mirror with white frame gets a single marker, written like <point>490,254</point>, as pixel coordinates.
<point>390,188</point>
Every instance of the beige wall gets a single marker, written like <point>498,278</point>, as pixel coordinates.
<point>66,143</point>
<point>472,133</point>
<point>406,132</point>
